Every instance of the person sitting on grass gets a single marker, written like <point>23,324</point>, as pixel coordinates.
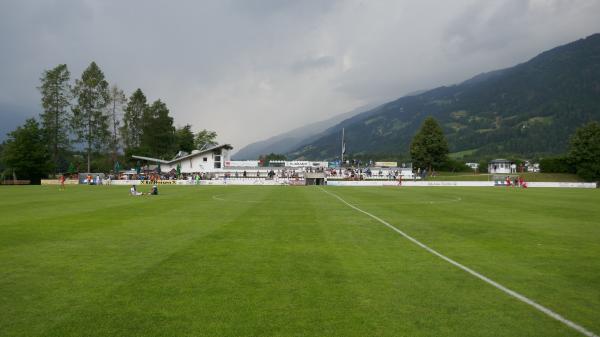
<point>133,191</point>
<point>154,190</point>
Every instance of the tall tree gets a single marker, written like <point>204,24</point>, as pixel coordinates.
<point>131,131</point>
<point>117,101</point>
<point>185,138</point>
<point>585,151</point>
<point>25,152</point>
<point>56,96</point>
<point>429,148</point>
<point>158,132</point>
<point>204,139</point>
<point>89,121</point>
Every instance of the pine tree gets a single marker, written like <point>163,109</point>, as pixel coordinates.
<point>429,148</point>
<point>56,96</point>
<point>131,131</point>
<point>185,138</point>
<point>158,133</point>
<point>89,121</point>
<point>117,101</point>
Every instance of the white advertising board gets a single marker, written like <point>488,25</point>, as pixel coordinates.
<point>241,163</point>
<point>455,183</point>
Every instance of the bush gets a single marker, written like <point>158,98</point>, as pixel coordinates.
<point>556,165</point>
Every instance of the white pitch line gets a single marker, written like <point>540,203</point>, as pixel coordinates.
<point>510,292</point>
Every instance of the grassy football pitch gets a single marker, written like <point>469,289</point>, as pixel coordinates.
<point>296,261</point>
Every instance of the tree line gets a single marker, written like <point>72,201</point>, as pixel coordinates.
<point>92,124</point>
<point>429,149</point>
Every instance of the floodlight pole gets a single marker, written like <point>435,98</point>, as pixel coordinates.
<point>343,149</point>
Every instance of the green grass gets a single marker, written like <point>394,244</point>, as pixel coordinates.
<point>294,261</point>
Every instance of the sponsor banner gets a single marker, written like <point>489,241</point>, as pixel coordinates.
<point>241,163</point>
<point>141,182</point>
<point>386,163</point>
<point>304,163</point>
<point>561,185</point>
<point>57,182</point>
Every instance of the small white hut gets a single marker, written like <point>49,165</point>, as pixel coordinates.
<point>500,166</point>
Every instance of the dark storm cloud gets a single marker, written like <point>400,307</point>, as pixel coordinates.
<point>251,68</point>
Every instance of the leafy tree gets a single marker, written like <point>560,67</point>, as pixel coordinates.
<point>25,152</point>
<point>131,131</point>
<point>89,121</point>
<point>158,133</point>
<point>185,138</point>
<point>585,151</point>
<point>117,100</point>
<point>56,96</point>
<point>205,139</point>
<point>483,165</point>
<point>429,148</point>
<point>556,165</point>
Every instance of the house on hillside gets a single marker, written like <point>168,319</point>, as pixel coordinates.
<point>207,160</point>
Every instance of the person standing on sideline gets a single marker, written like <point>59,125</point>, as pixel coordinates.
<point>400,179</point>
<point>62,182</point>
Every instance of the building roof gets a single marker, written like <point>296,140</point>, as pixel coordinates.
<point>193,154</point>
<point>496,161</point>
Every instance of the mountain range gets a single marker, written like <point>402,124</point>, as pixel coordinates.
<point>527,110</point>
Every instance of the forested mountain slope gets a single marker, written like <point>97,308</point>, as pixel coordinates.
<point>529,109</point>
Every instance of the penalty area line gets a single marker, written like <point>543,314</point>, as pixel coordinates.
<point>487,280</point>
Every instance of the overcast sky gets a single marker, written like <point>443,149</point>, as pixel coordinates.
<point>250,69</point>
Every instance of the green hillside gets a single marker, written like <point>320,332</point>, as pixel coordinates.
<point>530,109</point>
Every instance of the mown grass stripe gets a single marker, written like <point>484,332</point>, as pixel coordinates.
<point>497,285</point>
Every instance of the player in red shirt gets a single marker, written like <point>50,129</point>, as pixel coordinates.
<point>62,182</point>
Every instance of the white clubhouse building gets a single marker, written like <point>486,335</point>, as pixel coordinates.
<point>207,160</point>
